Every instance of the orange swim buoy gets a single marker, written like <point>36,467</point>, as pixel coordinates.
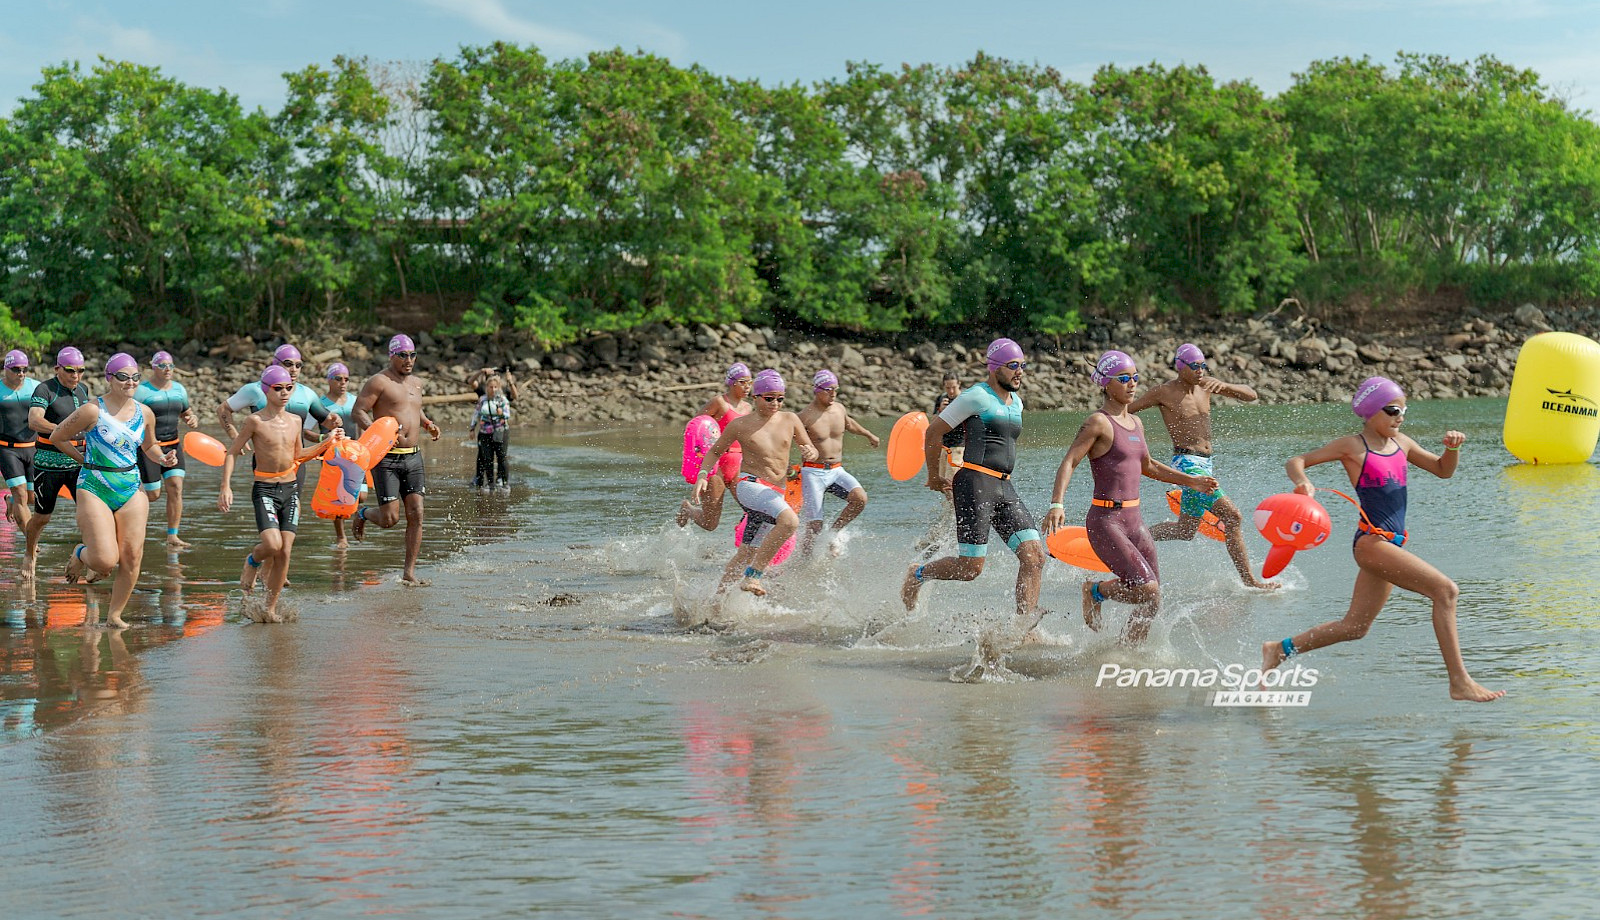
<point>905,454</point>
<point>204,448</point>
<point>1071,545</point>
<point>1210,525</point>
<point>378,439</point>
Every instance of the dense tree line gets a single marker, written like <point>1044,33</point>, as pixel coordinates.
<point>557,197</point>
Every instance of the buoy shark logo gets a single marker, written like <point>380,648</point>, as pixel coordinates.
<point>1570,403</point>
<point>351,476</point>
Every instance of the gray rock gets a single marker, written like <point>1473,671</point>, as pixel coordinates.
<point>1454,362</point>
<point>651,352</point>
<point>1530,315</point>
<point>850,359</point>
<point>747,351</point>
<point>566,361</point>
<point>606,349</point>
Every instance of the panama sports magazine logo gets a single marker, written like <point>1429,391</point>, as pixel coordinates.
<point>1570,403</point>
<point>1230,686</point>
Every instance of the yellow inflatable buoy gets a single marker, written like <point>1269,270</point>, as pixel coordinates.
<point>1553,414</point>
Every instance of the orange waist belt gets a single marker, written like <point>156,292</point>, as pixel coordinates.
<point>17,444</point>
<point>820,465</point>
<point>1109,503</point>
<point>974,467</point>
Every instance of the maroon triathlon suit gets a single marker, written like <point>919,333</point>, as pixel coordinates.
<point>1118,534</point>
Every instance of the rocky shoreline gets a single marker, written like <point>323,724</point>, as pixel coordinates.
<point>662,374</point>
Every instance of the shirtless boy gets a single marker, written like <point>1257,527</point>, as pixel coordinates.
<point>766,436</point>
<point>273,434</point>
<point>1185,406</point>
<point>826,421</point>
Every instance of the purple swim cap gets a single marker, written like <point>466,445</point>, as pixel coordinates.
<point>767,382</point>
<point>1110,365</point>
<point>824,380</point>
<point>1002,350</point>
<point>16,358</point>
<point>337,370</point>
<point>161,357</point>
<point>275,375</point>
<point>736,372</point>
<point>1373,394</point>
<point>1188,354</point>
<point>286,353</point>
<point>401,342</point>
<point>121,361</point>
<point>69,357</point>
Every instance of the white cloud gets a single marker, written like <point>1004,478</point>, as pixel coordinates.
<point>493,17</point>
<point>91,37</point>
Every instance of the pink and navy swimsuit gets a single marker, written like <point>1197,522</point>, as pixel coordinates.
<point>1381,487</point>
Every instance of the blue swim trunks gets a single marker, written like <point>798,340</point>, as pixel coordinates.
<point>1193,502</point>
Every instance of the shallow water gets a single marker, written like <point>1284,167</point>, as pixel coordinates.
<point>535,735</point>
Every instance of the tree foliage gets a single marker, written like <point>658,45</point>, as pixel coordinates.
<point>559,197</point>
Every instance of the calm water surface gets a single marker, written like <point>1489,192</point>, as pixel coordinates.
<point>534,735</point>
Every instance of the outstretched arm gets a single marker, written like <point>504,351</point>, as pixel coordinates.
<point>1089,433</point>
<point>1232,390</point>
<point>855,427</point>
<point>1160,472</point>
<point>721,446</point>
<point>1337,449</point>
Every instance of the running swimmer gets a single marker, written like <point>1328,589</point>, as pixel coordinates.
<point>1185,405</point>
<point>1376,460</point>
<point>766,436</point>
<point>398,477</point>
<point>826,421</point>
<point>17,440</point>
<point>274,434</point>
<point>169,403</point>
<point>304,403</point>
<point>1113,440</point>
<point>112,508</point>
<point>731,403</point>
<point>990,416</point>
<point>341,404</point>
<point>53,401</point>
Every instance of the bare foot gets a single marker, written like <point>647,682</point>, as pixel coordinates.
<point>683,513</point>
<point>909,588</point>
<point>116,622</point>
<point>342,544</point>
<point>1260,585</point>
<point>358,527</point>
<point>174,543</point>
<point>1271,655</point>
<point>412,580</point>
<point>75,566</point>
<point>29,561</point>
<point>754,586</point>
<point>247,575</point>
<point>1472,691</point>
<point>1091,609</point>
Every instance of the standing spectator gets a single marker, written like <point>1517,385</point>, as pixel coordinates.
<point>490,423</point>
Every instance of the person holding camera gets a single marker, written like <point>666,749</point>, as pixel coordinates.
<point>490,423</point>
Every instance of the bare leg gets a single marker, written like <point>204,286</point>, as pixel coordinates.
<point>265,550</point>
<point>1384,566</point>
<point>17,509</point>
<point>30,557</point>
<point>947,568</point>
<point>809,540</point>
<point>339,539</point>
<point>277,577</point>
<point>1184,528</point>
<point>1232,528</point>
<point>408,575</point>
<point>854,504</point>
<point>131,520</point>
<point>780,533</point>
<point>173,486</point>
<point>1146,599</point>
<point>708,514</point>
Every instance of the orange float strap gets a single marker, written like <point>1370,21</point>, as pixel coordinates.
<point>1366,525</point>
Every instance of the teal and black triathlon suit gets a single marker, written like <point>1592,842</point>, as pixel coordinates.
<point>16,438</point>
<point>111,457</point>
<point>984,495</point>
<point>168,407</point>
<point>346,410</point>
<point>53,469</point>
<point>303,402</point>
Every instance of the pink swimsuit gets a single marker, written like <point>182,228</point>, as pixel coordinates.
<point>728,464</point>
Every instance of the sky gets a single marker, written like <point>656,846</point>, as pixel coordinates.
<point>246,47</point>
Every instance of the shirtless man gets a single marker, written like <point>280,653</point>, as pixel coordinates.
<point>273,433</point>
<point>766,436</point>
<point>398,477</point>
<point>1185,406</point>
<point>826,421</point>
